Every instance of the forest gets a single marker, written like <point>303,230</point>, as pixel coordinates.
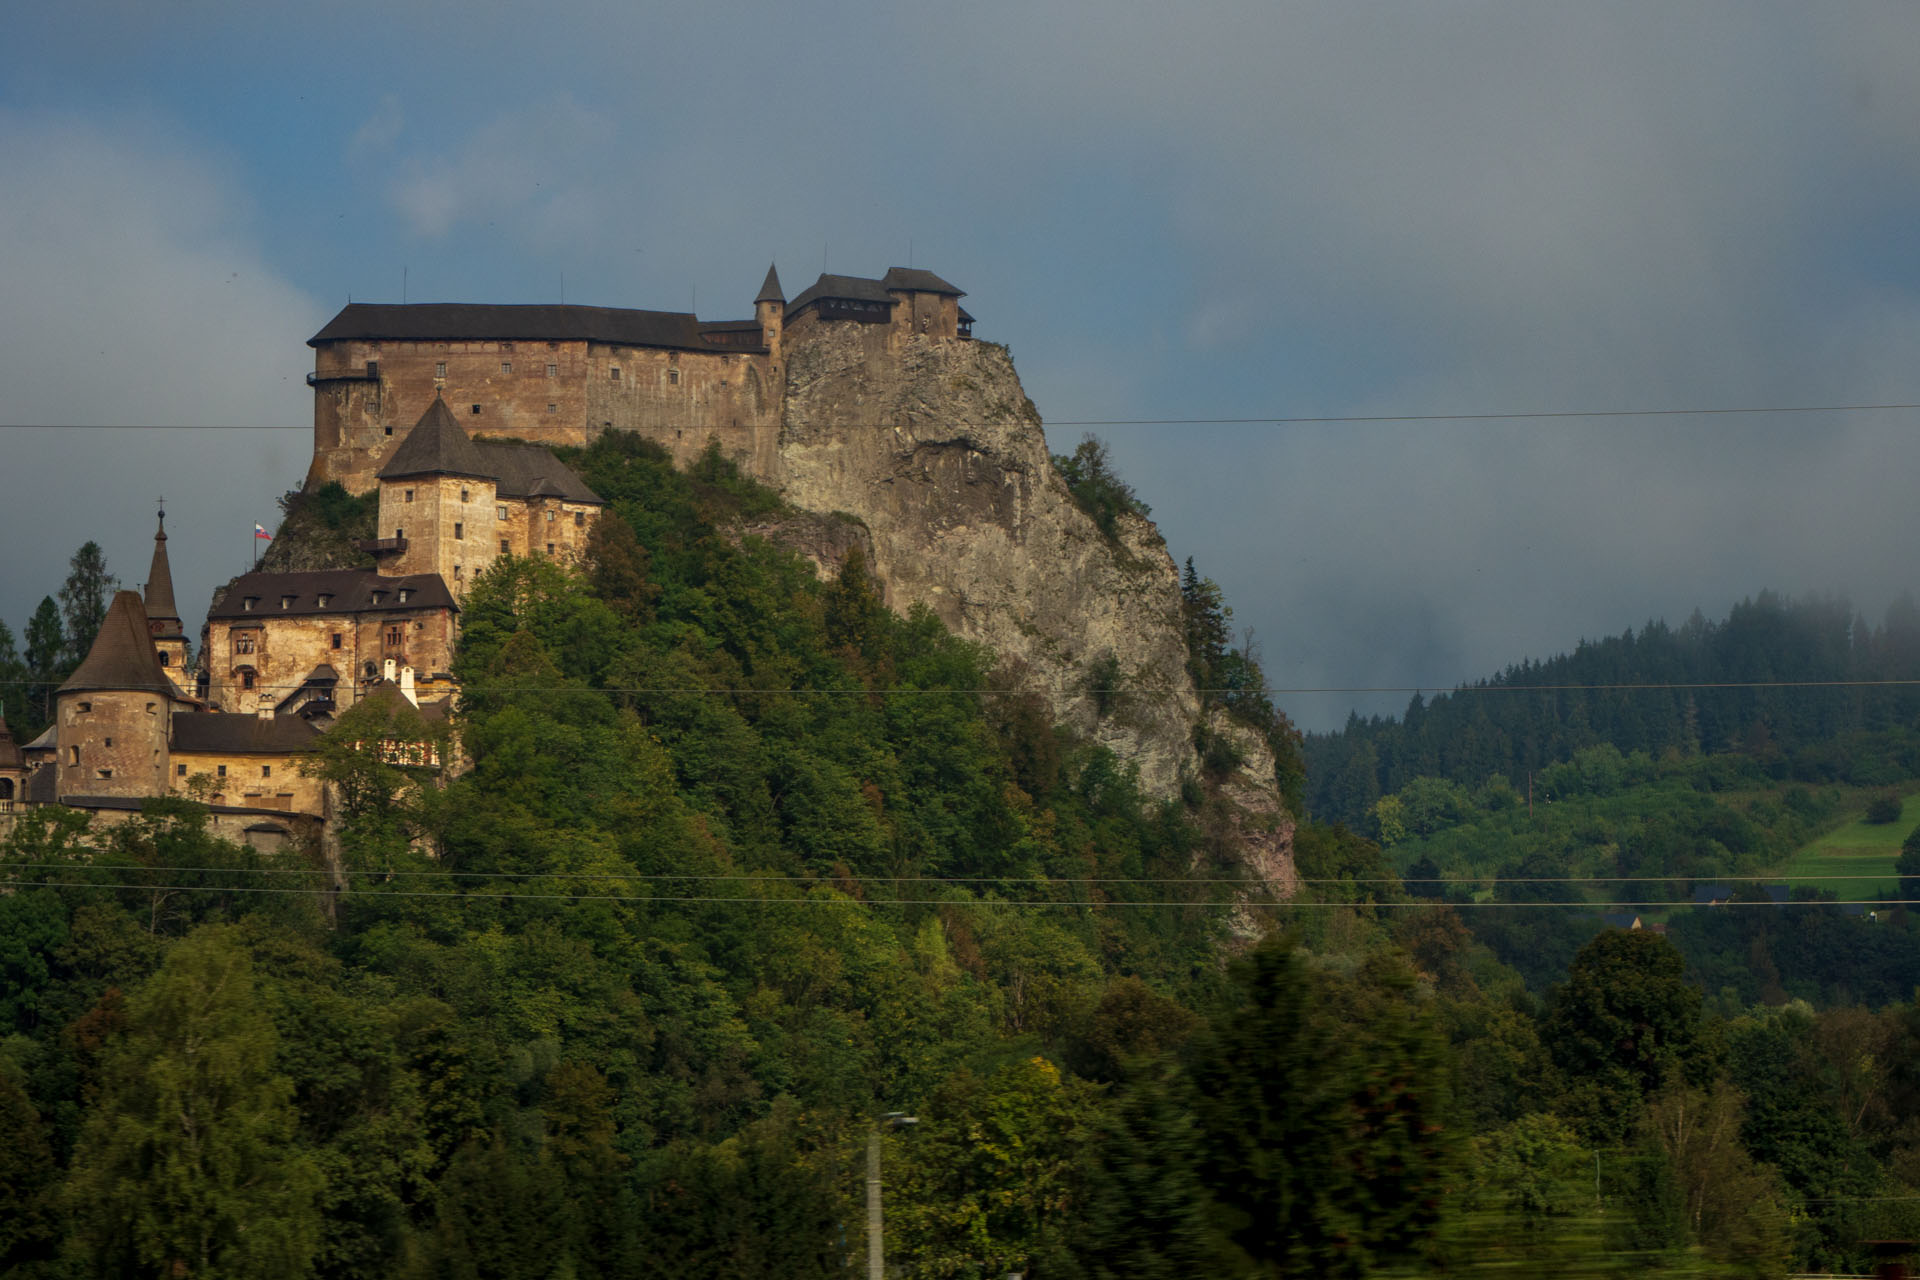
<point>745,864</point>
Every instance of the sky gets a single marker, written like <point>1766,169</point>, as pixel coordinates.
<point>1209,211</point>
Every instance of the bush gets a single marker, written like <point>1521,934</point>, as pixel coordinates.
<point>1097,489</point>
<point>1883,810</point>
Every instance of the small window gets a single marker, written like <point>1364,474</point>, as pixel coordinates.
<point>456,571</point>
<point>246,679</point>
<point>286,602</point>
<point>373,368</point>
<point>106,773</point>
<point>243,642</point>
<point>506,366</point>
<point>85,707</point>
<point>220,770</point>
<point>550,515</point>
<point>73,755</point>
<point>553,371</point>
<point>166,659</point>
<point>337,638</point>
<point>395,637</point>
<point>399,535</point>
<point>464,497</point>
<point>459,531</point>
<point>553,346</point>
<point>440,369</point>
<point>503,547</point>
<point>109,742</point>
<point>407,496</point>
<point>179,771</point>
<point>673,377</point>
<point>549,548</point>
<point>552,407</point>
<point>246,606</point>
<point>266,771</point>
<point>149,708</point>
<point>476,408</point>
<point>408,591</point>
<point>579,519</point>
<point>500,513</point>
<point>389,430</point>
<point>613,374</point>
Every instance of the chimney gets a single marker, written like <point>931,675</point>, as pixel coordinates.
<point>406,686</point>
<point>387,670</point>
<point>264,711</point>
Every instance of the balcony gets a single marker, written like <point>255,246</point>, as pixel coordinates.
<point>382,546</point>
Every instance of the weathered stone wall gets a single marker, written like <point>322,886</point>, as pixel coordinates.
<point>285,650</point>
<point>936,449</point>
<point>113,744</point>
<point>251,779</point>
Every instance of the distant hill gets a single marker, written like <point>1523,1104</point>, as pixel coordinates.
<point>1687,689</point>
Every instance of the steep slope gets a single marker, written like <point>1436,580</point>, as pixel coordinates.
<point>933,445</point>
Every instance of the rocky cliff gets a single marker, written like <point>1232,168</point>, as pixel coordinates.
<point>932,444</point>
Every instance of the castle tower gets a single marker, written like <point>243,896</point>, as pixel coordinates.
<point>770,309</point>
<point>163,617</point>
<point>438,504</point>
<point>112,715</point>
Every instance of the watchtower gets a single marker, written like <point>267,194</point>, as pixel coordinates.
<point>113,713</point>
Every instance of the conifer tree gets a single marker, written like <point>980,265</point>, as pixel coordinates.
<point>83,599</point>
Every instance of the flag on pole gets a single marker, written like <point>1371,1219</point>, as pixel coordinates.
<point>260,532</point>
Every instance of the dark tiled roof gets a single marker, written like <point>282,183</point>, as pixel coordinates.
<point>48,739</point>
<point>43,785</point>
<point>241,735</point>
<point>770,289</point>
<point>159,602</point>
<point>435,447</point>
<point>853,287</point>
<point>349,591</point>
<point>480,322</point>
<point>388,694</point>
<point>530,471</point>
<point>919,282</point>
<point>122,656</point>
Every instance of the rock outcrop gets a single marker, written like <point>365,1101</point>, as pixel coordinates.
<point>934,447</point>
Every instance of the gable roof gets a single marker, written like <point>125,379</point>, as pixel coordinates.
<point>347,591</point>
<point>435,446</point>
<point>485,322</point>
<point>122,656</point>
<point>241,735</point>
<point>918,281</point>
<point>829,286</point>
<point>531,471</point>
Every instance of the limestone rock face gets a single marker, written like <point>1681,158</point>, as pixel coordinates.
<point>932,444</point>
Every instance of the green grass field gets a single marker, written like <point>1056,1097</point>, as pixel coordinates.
<point>1857,849</point>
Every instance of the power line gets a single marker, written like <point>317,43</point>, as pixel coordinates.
<point>1277,419</point>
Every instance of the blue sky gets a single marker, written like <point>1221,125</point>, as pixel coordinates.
<point>1204,211</point>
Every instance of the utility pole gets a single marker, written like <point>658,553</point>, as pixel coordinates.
<point>876,1248</point>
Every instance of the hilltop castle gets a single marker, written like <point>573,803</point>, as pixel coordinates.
<point>563,374</point>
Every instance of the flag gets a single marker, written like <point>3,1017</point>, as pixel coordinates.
<point>260,532</point>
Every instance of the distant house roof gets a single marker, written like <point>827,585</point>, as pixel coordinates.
<point>1621,920</point>
<point>919,282</point>
<point>435,447</point>
<point>122,656</point>
<point>857,288</point>
<point>481,322</point>
<point>347,591</point>
<point>1706,895</point>
<point>241,735</point>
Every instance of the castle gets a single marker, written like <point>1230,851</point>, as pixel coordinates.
<point>563,374</point>
<point>404,400</point>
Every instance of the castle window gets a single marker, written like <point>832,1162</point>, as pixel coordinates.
<point>73,755</point>
<point>398,534</point>
<point>243,642</point>
<point>549,548</point>
<point>406,495</point>
<point>476,408</point>
<point>179,771</point>
<point>503,547</point>
<point>149,708</point>
<point>378,596</point>
<point>85,707</point>
<point>553,346</point>
<point>500,513</point>
<point>337,639</point>
<point>106,773</point>
<point>440,369</point>
<point>553,371</point>
<point>324,598</point>
<point>407,591</point>
<point>673,377</point>
<point>166,659</point>
<point>613,374</point>
<point>456,571</point>
<point>221,770</point>
<point>266,771</point>
<point>506,366</point>
<point>246,677</point>
<point>552,407</point>
<point>373,368</point>
<point>549,513</point>
<point>464,497</point>
<point>579,519</point>
<point>389,430</point>
<point>246,606</point>
<point>395,636</point>
<point>109,742</point>
<point>459,531</point>
<point>286,602</point>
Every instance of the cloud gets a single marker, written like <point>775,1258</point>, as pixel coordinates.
<point>137,297</point>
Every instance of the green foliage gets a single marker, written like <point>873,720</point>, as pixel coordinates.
<point>1883,810</point>
<point>1096,487</point>
<point>83,599</point>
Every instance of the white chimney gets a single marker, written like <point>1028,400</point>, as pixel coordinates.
<point>264,711</point>
<point>406,685</point>
<point>387,671</point>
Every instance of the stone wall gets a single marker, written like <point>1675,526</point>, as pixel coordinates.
<point>253,780</point>
<point>286,650</point>
<point>113,744</point>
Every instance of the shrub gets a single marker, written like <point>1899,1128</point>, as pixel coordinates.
<point>1884,809</point>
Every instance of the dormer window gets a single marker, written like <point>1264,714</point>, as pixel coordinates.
<point>286,602</point>
<point>404,593</point>
<point>378,596</point>
<point>246,605</point>
<point>324,598</point>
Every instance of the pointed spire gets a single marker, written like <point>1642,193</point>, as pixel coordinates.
<point>770,291</point>
<point>436,446</point>
<point>122,656</point>
<point>159,602</point>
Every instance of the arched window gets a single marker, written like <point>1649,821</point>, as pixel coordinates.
<point>6,788</point>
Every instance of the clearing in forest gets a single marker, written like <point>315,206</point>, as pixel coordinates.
<point>1860,848</point>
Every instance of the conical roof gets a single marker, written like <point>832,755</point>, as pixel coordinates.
<point>122,656</point>
<point>159,602</point>
<point>435,446</point>
<point>770,291</point>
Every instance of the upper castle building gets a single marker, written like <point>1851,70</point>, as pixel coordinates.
<point>563,374</point>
